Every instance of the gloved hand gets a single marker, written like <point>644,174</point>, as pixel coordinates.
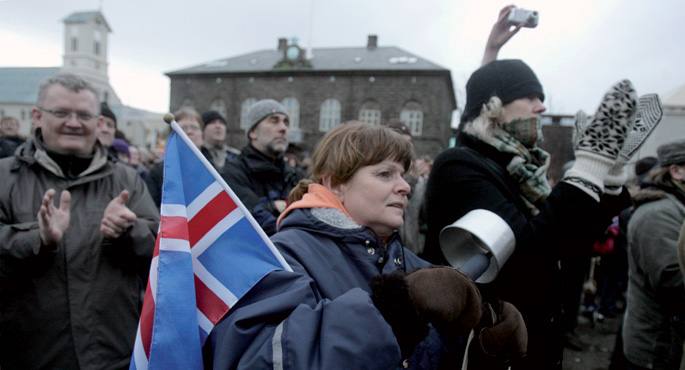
<point>647,117</point>
<point>499,339</point>
<point>442,296</point>
<point>599,143</point>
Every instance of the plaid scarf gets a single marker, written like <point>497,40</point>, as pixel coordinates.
<point>528,167</point>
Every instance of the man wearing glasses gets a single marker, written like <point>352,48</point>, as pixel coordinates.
<point>76,237</point>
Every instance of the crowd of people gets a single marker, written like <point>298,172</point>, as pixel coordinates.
<point>360,225</point>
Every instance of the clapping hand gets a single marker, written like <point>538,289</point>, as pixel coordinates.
<point>53,221</point>
<point>118,218</point>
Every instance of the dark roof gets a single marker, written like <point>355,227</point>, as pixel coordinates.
<point>20,85</point>
<point>388,58</point>
<point>84,17</point>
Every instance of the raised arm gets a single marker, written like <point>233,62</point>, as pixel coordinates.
<point>501,32</point>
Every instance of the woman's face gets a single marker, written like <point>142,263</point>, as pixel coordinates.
<point>522,108</point>
<point>376,196</point>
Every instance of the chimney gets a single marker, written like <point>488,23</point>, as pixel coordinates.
<point>282,44</point>
<point>372,42</point>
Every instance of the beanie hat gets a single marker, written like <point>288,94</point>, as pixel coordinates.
<point>211,116</point>
<point>120,146</point>
<point>507,79</point>
<point>671,153</point>
<point>107,112</point>
<point>262,109</point>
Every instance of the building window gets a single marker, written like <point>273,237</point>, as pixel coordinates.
<point>74,44</point>
<point>412,116</point>
<point>219,106</point>
<point>244,108</point>
<point>96,47</point>
<point>329,116</point>
<point>292,106</point>
<point>370,113</point>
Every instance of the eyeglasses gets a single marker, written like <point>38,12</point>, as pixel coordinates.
<point>190,128</point>
<point>62,113</point>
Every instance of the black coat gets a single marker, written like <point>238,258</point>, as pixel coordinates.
<point>472,176</point>
<point>258,181</point>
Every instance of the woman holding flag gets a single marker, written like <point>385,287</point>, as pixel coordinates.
<point>357,299</point>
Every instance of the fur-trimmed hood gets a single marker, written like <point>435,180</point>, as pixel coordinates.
<point>647,195</point>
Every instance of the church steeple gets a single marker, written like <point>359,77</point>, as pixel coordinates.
<point>85,50</point>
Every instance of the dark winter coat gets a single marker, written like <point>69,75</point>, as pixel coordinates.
<point>321,316</point>
<point>653,322</point>
<point>472,176</point>
<point>154,179</point>
<point>258,181</point>
<point>9,144</point>
<point>77,306</point>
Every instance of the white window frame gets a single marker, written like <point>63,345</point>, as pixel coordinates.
<point>292,106</point>
<point>329,116</point>
<point>244,108</point>
<point>412,116</point>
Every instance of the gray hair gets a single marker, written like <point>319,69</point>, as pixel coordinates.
<point>69,81</point>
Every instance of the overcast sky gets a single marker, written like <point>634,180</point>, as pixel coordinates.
<point>579,48</point>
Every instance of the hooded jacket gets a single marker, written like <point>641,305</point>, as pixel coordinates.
<point>77,306</point>
<point>321,315</point>
<point>655,284</point>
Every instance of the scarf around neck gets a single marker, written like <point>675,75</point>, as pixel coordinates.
<point>528,167</point>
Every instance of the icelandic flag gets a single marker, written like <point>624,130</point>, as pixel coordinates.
<point>209,252</point>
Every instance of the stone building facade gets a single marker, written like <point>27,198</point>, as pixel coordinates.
<point>333,85</point>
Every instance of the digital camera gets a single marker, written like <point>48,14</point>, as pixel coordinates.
<point>523,17</point>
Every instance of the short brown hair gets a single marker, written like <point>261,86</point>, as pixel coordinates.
<point>188,112</point>
<point>351,146</point>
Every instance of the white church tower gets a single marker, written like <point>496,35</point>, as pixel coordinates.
<point>85,51</point>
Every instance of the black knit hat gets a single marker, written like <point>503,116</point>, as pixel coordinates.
<point>211,116</point>
<point>507,79</point>
<point>105,111</point>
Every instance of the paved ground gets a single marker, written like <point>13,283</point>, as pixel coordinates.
<point>601,340</point>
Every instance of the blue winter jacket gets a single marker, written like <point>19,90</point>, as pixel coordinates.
<point>321,315</point>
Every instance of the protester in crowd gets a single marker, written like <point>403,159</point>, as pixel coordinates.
<point>135,160</point>
<point>191,123</point>
<point>10,138</point>
<point>70,274</point>
<point>214,135</point>
<point>619,262</point>
<point>357,298</point>
<point>106,130</point>
<point>498,166</point>
<point>681,260</point>
<point>259,176</point>
<point>121,149</point>
<point>652,325</point>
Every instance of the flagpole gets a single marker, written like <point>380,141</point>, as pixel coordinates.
<point>169,118</point>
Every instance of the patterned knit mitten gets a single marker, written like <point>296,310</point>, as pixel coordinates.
<point>601,141</point>
<point>647,117</point>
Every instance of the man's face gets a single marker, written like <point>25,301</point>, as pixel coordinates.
<point>523,108</point>
<point>105,131</point>
<point>215,133</point>
<point>270,136</point>
<point>68,120</point>
<point>9,127</point>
